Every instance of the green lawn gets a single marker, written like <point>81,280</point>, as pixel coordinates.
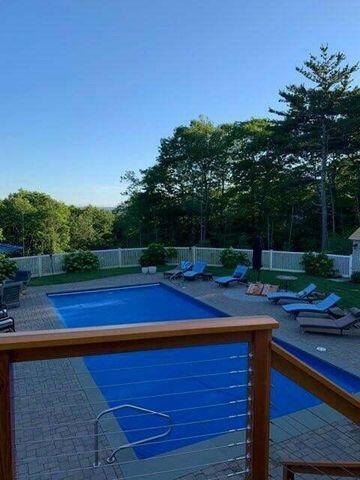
<point>349,292</point>
<point>83,276</point>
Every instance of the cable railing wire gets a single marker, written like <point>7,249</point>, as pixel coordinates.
<point>117,432</point>
<point>143,382</point>
<point>178,454</point>
<point>91,420</point>
<point>160,472</point>
<point>171,394</point>
<point>313,448</point>
<point>294,452</point>
<point>311,411</point>
<point>141,367</point>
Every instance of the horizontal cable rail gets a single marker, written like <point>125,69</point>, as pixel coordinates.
<point>197,414</point>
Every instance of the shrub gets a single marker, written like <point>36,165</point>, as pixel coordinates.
<point>355,277</point>
<point>8,268</point>
<point>154,255</point>
<point>171,253</point>
<point>81,261</point>
<point>230,258</point>
<point>144,260</point>
<point>318,264</point>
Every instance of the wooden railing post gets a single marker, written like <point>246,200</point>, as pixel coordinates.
<point>288,474</point>
<point>6,440</point>
<point>260,405</point>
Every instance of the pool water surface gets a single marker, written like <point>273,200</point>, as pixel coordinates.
<point>202,389</point>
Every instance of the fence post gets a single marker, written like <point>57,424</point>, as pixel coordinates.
<point>39,265</point>
<point>193,254</point>
<point>120,257</point>
<point>350,265</point>
<point>6,438</point>
<point>271,260</point>
<point>260,385</point>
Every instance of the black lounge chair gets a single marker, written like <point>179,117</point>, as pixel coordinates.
<point>10,294</point>
<point>330,325</point>
<point>7,324</point>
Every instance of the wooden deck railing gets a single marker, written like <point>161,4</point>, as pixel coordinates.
<point>55,344</point>
<point>331,394</point>
<point>315,383</point>
<point>340,469</point>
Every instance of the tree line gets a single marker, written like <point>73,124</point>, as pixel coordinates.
<point>293,178</point>
<point>41,224</point>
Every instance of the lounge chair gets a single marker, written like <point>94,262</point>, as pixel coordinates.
<point>7,324</point>
<point>321,307</point>
<point>303,295</point>
<point>330,325</point>
<point>196,271</point>
<point>183,266</point>
<point>239,276</point>
<point>10,294</point>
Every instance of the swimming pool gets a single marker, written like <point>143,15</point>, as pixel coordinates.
<point>203,389</point>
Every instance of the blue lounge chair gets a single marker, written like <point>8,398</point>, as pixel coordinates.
<point>321,307</point>
<point>196,271</point>
<point>183,266</point>
<point>282,295</point>
<point>239,276</point>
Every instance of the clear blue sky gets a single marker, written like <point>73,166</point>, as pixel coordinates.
<point>88,87</point>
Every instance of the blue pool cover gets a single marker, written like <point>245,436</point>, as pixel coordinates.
<point>203,389</point>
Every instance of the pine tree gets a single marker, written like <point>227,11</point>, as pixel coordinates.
<point>313,119</point>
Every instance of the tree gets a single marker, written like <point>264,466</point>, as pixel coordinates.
<point>315,116</point>
<point>91,228</point>
<point>36,221</point>
<point>195,159</point>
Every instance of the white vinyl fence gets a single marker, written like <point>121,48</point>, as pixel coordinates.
<point>42,265</point>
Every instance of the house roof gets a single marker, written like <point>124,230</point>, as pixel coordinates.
<point>355,235</point>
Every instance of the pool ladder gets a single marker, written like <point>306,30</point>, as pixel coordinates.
<point>111,458</point>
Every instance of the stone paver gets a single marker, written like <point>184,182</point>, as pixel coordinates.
<point>54,414</point>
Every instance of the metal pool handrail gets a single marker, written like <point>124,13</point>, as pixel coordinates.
<point>111,458</point>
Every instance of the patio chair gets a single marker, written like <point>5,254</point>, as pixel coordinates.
<point>182,267</point>
<point>239,276</point>
<point>303,295</point>
<point>7,324</point>
<point>330,325</point>
<point>23,276</point>
<point>196,271</point>
<point>321,307</point>
<point>10,294</point>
